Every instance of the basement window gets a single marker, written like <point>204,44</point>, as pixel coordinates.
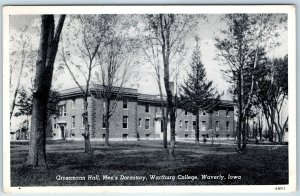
<point>125,136</point>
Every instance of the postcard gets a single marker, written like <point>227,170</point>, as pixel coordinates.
<point>149,99</point>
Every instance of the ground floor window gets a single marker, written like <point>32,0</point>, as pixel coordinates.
<point>203,126</point>
<point>54,123</point>
<point>125,122</point>
<point>73,122</point>
<point>147,123</point>
<point>186,125</point>
<point>217,125</point>
<point>227,125</point>
<point>194,125</point>
<point>103,122</point>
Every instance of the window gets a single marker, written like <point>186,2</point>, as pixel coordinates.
<point>73,122</point>
<point>147,109</point>
<point>103,122</point>
<point>54,123</point>
<point>218,113</point>
<point>82,123</point>
<point>203,126</point>
<point>125,136</point>
<point>103,135</point>
<point>186,125</point>
<point>217,125</point>
<point>186,135</point>
<point>203,113</point>
<point>73,103</point>
<point>147,135</point>
<point>185,113</point>
<point>194,125</point>
<point>227,125</point>
<point>147,123</point>
<point>140,122</point>
<point>63,111</point>
<point>227,112</point>
<point>180,123</point>
<point>125,104</point>
<point>125,122</point>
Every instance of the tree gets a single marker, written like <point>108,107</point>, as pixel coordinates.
<point>90,37</point>
<point>116,63</point>
<point>22,56</point>
<point>152,53</point>
<point>169,31</point>
<point>49,40</point>
<point>25,103</point>
<point>239,50</point>
<point>197,92</point>
<point>275,83</point>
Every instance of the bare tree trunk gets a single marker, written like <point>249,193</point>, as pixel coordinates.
<point>165,128</point>
<point>172,132</point>
<point>240,115</point>
<point>42,84</point>
<point>107,123</point>
<point>86,134</point>
<point>18,84</point>
<point>197,128</point>
<point>271,130</point>
<point>260,126</point>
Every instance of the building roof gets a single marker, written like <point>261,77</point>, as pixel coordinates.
<point>76,91</point>
<point>72,92</point>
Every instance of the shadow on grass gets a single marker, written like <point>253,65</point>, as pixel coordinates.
<point>259,166</point>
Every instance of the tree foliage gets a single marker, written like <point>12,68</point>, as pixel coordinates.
<point>26,100</point>
<point>197,91</point>
<point>240,49</point>
<point>272,92</point>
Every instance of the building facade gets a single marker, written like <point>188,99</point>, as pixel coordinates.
<point>136,116</point>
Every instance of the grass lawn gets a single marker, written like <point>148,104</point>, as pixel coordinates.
<point>261,165</point>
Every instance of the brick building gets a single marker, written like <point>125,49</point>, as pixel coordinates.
<point>136,116</point>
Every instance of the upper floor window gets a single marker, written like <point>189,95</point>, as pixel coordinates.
<point>185,113</point>
<point>140,122</point>
<point>125,104</point>
<point>147,108</point>
<point>218,113</point>
<point>180,123</point>
<point>203,113</point>
<point>63,110</point>
<point>125,122</point>
<point>73,103</point>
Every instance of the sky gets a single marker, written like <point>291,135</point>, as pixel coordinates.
<point>207,30</point>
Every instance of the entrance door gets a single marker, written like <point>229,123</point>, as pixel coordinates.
<point>157,127</point>
<point>62,129</point>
